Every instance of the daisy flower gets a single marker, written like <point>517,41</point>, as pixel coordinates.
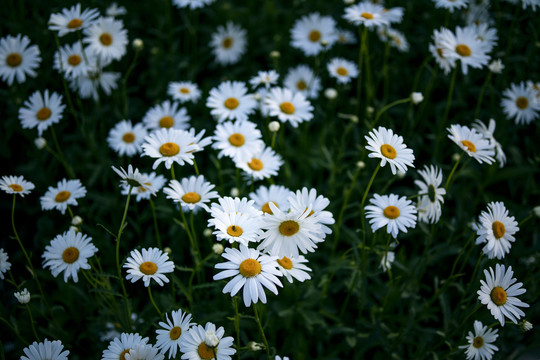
<point>151,264</point>
<point>277,194</point>
<point>464,46</point>
<point>41,111</point>
<point>265,78</point>
<point>16,185</point>
<point>302,79</point>
<point>497,229</point>
<point>167,115</point>
<point>480,342</point>
<point>87,85</point>
<point>230,100</point>
<point>5,265</point>
<point>192,193</point>
<point>233,227</point>
<point>141,192</point>
<point>260,165</point>
<point>472,142</point>
<point>451,5</point>
<point>237,140</point>
<point>252,271</point>
<point>173,332</point>
<point>486,36</point>
<point>106,38</point>
<point>69,252</point>
<point>65,193</point>
<point>365,13</point>
<point>72,19</point>
<point>499,293</point>
<point>394,37</point>
<point>431,194</point>
<point>240,206</point>
<point>184,91</point>
<point>288,106</point>
<point>437,50</point>
<point>122,345</point>
<point>23,297</point>
<point>194,346</point>
<point>70,60</point>
<point>294,268</point>
<point>144,352</point>
<point>308,198</point>
<point>342,70</point>
<point>46,350</point>
<point>487,132</point>
<point>310,32</point>
<point>229,43</point>
<point>389,147</point>
<point>18,59</point>
<point>519,103</point>
<point>135,179</point>
<point>192,4</point>
<point>169,146</point>
<point>396,213</point>
<point>387,260</point>
<point>115,10</point>
<point>126,139</point>
<point>393,15</point>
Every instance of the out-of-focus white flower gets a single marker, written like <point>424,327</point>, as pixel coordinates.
<point>23,297</point>
<point>417,98</point>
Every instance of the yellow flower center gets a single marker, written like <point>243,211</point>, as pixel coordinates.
<point>255,164</point>
<point>191,197</point>
<point>286,263</point>
<point>16,187</point>
<point>231,103</point>
<point>70,255</point>
<point>62,196</point>
<point>14,60</point>
<point>367,15</point>
<point>227,42</point>
<point>166,122</point>
<point>128,137</point>
<point>498,229</point>
<point>289,227</point>
<point>522,102</point>
<point>463,50</point>
<point>391,212</point>
<point>184,90</point>
<point>106,39</point>
<point>43,114</point>
<point>175,333</point>
<point>301,85</point>
<point>235,231</point>
<point>237,139</point>
<point>342,71</point>
<point>205,352</point>
<point>388,151</point>
<point>498,295</point>
<point>287,107</point>
<point>469,145</point>
<point>478,342</point>
<point>314,36</point>
<point>266,208</point>
<point>74,60</point>
<point>74,23</point>
<point>123,354</point>
<point>148,268</point>
<point>250,268</point>
<point>169,149</point>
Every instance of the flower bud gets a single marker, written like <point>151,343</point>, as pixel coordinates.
<point>40,143</point>
<point>137,44</point>
<point>330,93</point>
<point>23,297</point>
<point>77,220</point>
<point>273,126</point>
<point>217,249</point>
<point>417,97</point>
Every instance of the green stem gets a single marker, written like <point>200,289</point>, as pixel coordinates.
<point>261,330</point>
<point>236,321</point>
<point>153,302</point>
<point>124,82</point>
<point>172,172</point>
<point>32,323</point>
<point>156,228</point>
<point>388,106</point>
<point>481,96</point>
<point>447,184</point>
<point>118,267</point>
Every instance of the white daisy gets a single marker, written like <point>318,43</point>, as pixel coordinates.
<point>487,132</point>
<point>18,59</point>
<point>126,139</point>
<point>288,106</point>
<point>229,43</point>
<point>365,13</point>
<point>486,35</point>
<point>153,181</point>
<point>169,146</point>
<point>144,352</point>
<point>87,85</point>
<point>151,264</point>
<point>387,260</point>
<point>472,142</point>
<point>252,271</point>
<point>308,198</point>
<point>464,46</point>
<point>72,19</point>
<point>194,347</point>
<point>192,4</point>
<point>241,206</point>
<point>519,103</point>
<point>106,38</point>
<point>172,332</point>
<point>260,165</point>
<point>341,69</point>
<point>389,147</point>
<point>192,193</point>
<point>499,293</point>
<point>451,5</point>
<point>437,50</point>
<point>5,265</point>
<point>294,268</point>
<point>46,350</point>
<point>23,297</point>
<point>265,78</point>
<point>167,115</point>
<point>122,345</point>
<point>277,194</point>
<point>70,60</point>
<point>135,179</point>
<point>41,111</point>
<point>233,227</point>
<point>65,193</point>
<point>16,185</point>
<point>431,194</point>
<point>237,140</point>
<point>393,15</point>
<point>184,91</point>
<point>302,79</point>
<point>115,10</point>
<point>396,213</point>
<point>230,100</point>
<point>311,31</point>
<point>497,229</point>
<point>69,252</point>
<point>480,342</point>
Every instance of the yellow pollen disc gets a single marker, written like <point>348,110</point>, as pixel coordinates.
<point>74,23</point>
<point>231,103</point>
<point>123,354</point>
<point>522,102</point>
<point>106,39</point>
<point>169,149</point>
<point>62,196</point>
<point>289,227</point>
<point>342,71</point>
<point>367,16</point>
<point>205,353</point>
<point>227,42</point>
<point>469,145</point>
<point>235,231</point>
<point>314,36</point>
<point>74,60</point>
<point>175,333</point>
<point>266,208</point>
<point>463,50</point>
<point>128,137</point>
<point>148,268</point>
<point>166,122</point>
<point>478,342</point>
<point>16,187</point>
<point>250,268</point>
<point>391,212</point>
<point>191,197</point>
<point>498,229</point>
<point>14,60</point>
<point>237,139</point>
<point>388,151</point>
<point>70,255</point>
<point>498,295</point>
<point>184,90</point>
<point>43,114</point>
<point>301,85</point>
<point>255,164</point>
<point>287,107</point>
<point>285,263</point>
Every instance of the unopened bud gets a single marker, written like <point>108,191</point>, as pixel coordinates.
<point>137,44</point>
<point>40,143</point>
<point>254,346</point>
<point>370,110</point>
<point>210,339</point>
<point>273,126</point>
<point>217,249</point>
<point>525,325</point>
<point>330,93</point>
<point>536,211</point>
<point>207,232</point>
<point>235,192</point>
<point>275,54</point>
<point>417,97</point>
<point>361,165</point>
<point>77,220</point>
<point>455,157</point>
<point>168,250</point>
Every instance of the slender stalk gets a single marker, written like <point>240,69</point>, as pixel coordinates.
<point>447,184</point>
<point>118,267</point>
<point>195,167</point>
<point>442,123</point>
<point>363,36</point>
<point>156,228</point>
<point>261,330</point>
<point>152,300</point>
<point>388,106</point>
<point>236,322</point>
<point>172,172</point>
<point>481,96</point>
<point>32,323</point>
<point>124,81</point>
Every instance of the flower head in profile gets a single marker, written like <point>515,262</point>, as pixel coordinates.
<point>472,142</point>
<point>171,333</point>
<point>107,39</point>
<point>133,178</point>
<point>16,185</point>
<point>65,193</point>
<point>41,111</point>
<point>264,78</point>
<point>437,50</point>
<point>53,350</point>
<point>169,146</point>
<point>153,180</point>
<point>72,19</point>
<point>93,80</point>
<point>394,212</point>
<point>151,264</point>
<point>311,31</point>
<point>192,4</point>
<point>229,43</point>
<point>431,194</point>
<point>487,132</point>
<point>451,5</point>
<point>496,229</point>
<point>5,265</point>
<point>389,147</point>
<point>23,297</point>
<point>196,344</point>
<point>480,345</point>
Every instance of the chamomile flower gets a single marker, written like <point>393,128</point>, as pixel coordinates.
<point>232,227</point>
<point>192,4</point>
<point>389,147</point>
<point>169,146</point>
<point>122,345</point>
<point>431,194</point>
<point>251,271</point>
<point>230,100</point>
<point>237,140</point>
<point>16,185</point>
<point>486,35</point>
<point>172,332</point>
<point>497,230</point>
<point>144,352</point>
<point>41,111</point>
<point>126,139</point>
<point>23,297</point>
<point>437,50</point>
<point>394,212</point>
<point>288,106</point>
<point>487,132</point>
<point>135,179</point>
<point>480,342</point>
<point>115,10</point>
<point>264,78</point>
<point>229,205</point>
<point>260,165</point>
<point>294,268</point>
<point>191,193</point>
<point>18,58</point>
<point>346,37</point>
<point>465,47</point>
<point>308,198</point>
<point>367,14</point>
<point>200,140</point>
<point>184,91</point>
<point>5,265</point>
<point>302,79</point>
<point>68,253</point>
<point>229,43</point>
<point>88,84</point>
<point>395,38</point>
<point>451,5</point>
<point>342,70</point>
<point>151,264</point>
<point>70,60</point>
<point>499,293</point>
<point>520,104</point>
<point>153,181</point>
<point>106,38</point>
<point>46,350</point>
<point>277,194</point>
<point>310,32</point>
<point>472,142</point>
<point>167,115</point>
<point>65,193</point>
<point>72,19</point>
<point>194,346</point>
